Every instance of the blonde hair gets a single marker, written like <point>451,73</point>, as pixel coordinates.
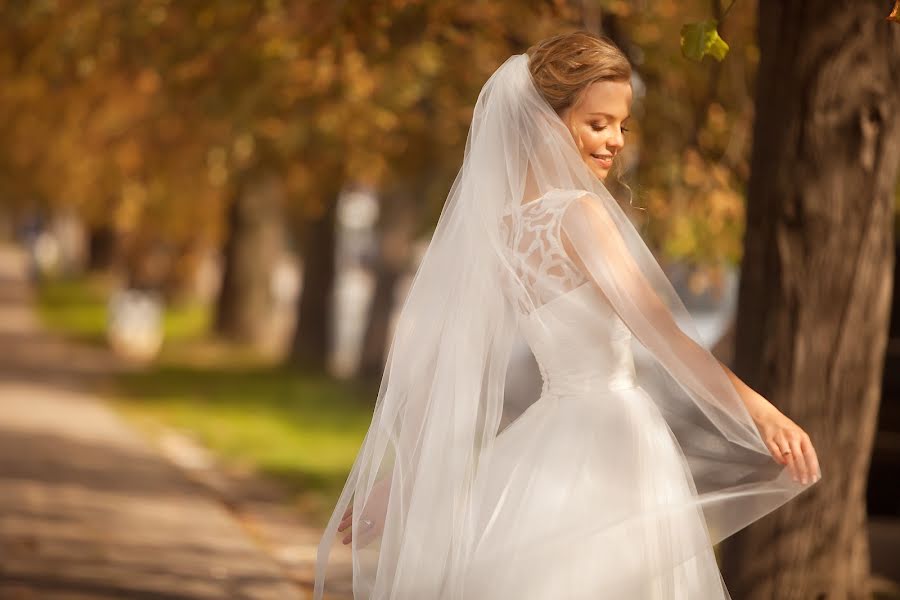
<point>563,66</point>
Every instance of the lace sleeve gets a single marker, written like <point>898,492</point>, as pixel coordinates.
<point>539,260</point>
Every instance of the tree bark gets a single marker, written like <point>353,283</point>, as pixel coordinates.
<point>101,248</point>
<point>816,280</point>
<point>883,493</point>
<point>255,240</point>
<point>311,345</point>
<point>396,223</point>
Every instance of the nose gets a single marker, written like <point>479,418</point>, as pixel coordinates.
<point>617,141</point>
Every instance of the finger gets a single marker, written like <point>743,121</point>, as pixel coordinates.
<point>347,520</point>
<point>800,461</point>
<point>776,451</point>
<point>348,511</point>
<point>785,449</point>
<point>812,460</point>
<point>363,535</point>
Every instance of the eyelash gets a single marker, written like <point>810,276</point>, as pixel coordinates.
<point>624,129</point>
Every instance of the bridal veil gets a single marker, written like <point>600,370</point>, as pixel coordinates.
<point>441,399</point>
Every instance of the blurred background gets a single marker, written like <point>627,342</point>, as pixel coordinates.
<point>214,210</point>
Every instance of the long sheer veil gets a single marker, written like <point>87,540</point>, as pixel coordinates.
<point>441,398</point>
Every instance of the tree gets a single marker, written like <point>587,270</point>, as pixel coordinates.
<point>92,126</point>
<point>251,252</point>
<point>816,279</point>
<point>390,89</point>
<point>393,260</point>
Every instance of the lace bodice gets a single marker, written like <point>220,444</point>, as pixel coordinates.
<point>579,342</point>
<point>536,252</point>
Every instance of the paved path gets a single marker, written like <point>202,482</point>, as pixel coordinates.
<point>88,510</point>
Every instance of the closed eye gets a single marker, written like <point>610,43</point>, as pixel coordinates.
<point>602,127</point>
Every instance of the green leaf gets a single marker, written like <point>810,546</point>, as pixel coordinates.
<point>701,39</point>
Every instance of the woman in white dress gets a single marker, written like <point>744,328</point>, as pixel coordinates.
<point>599,489</point>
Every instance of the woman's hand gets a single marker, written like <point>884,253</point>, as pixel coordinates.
<point>789,445</point>
<point>373,512</point>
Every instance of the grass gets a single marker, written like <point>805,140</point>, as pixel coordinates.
<point>77,308</point>
<point>302,430</point>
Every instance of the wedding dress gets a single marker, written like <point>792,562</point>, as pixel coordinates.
<point>593,441</point>
<point>600,489</point>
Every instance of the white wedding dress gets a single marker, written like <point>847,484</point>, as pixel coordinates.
<point>592,456</point>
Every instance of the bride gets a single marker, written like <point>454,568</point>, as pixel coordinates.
<point>599,489</point>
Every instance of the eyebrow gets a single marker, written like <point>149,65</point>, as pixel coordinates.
<point>607,115</point>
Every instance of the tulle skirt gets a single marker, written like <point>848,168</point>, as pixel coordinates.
<point>588,496</point>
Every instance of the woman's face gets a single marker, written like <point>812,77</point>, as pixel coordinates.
<point>596,123</point>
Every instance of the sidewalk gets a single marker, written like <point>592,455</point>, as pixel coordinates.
<point>88,510</point>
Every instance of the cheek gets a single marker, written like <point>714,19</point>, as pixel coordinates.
<point>595,139</point>
<point>581,140</point>
<point>587,141</point>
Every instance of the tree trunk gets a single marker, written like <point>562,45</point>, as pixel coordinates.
<point>816,280</point>
<point>101,248</point>
<point>883,494</point>
<point>255,240</point>
<point>311,345</point>
<point>396,223</point>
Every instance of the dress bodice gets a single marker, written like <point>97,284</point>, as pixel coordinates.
<point>578,340</point>
<point>580,344</point>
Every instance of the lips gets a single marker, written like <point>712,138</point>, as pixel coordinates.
<point>604,160</point>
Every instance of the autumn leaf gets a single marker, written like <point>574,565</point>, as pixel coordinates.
<point>701,39</point>
<point>895,14</point>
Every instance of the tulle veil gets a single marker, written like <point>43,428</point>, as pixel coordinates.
<point>441,397</point>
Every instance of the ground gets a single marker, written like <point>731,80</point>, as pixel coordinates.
<point>91,510</point>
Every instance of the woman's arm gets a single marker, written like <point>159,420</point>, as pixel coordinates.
<point>592,240</point>
<point>779,433</point>
<point>758,407</point>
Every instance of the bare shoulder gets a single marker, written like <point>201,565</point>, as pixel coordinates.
<point>559,196</point>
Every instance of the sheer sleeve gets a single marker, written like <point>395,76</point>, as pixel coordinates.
<point>734,477</point>
<point>646,304</point>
